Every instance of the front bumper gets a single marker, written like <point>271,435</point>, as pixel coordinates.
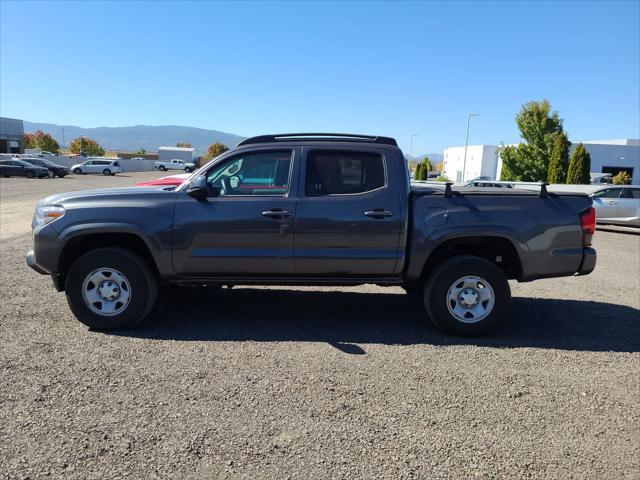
<point>31,261</point>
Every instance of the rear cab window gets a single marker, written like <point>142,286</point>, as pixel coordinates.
<point>343,172</point>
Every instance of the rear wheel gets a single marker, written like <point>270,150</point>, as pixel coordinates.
<point>188,170</point>
<point>467,296</point>
<point>51,174</point>
<point>77,171</point>
<point>30,174</point>
<point>110,288</point>
<point>62,175</point>
<point>162,168</point>
<point>106,171</point>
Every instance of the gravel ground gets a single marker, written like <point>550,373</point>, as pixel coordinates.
<point>317,382</point>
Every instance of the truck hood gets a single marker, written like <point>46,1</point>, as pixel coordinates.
<point>105,195</point>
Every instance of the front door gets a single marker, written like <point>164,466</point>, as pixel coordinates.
<point>606,203</point>
<point>247,229</point>
<point>348,221</point>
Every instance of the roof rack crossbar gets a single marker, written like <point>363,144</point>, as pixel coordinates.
<point>324,137</point>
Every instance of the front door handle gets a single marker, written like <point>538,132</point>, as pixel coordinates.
<point>378,213</point>
<point>276,213</point>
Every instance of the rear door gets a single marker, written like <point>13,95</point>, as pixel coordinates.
<point>348,218</point>
<point>629,205</point>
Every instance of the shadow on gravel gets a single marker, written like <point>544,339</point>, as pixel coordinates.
<point>345,319</point>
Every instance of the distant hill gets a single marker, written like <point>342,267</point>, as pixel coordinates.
<point>133,138</point>
<point>434,157</point>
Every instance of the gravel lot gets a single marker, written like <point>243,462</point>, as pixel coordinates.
<point>317,382</point>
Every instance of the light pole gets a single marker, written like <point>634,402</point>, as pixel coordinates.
<point>411,146</point>
<point>466,142</point>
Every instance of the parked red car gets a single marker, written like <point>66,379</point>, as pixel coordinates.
<point>169,181</point>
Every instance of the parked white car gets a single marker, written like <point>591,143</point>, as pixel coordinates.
<point>97,165</point>
<point>175,164</point>
<point>618,204</point>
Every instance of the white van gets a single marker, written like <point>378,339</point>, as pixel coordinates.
<point>97,165</point>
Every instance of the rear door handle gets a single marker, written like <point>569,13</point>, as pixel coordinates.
<point>276,213</point>
<point>378,213</point>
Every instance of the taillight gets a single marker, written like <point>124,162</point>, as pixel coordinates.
<point>588,225</point>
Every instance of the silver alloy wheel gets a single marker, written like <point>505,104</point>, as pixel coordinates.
<point>470,299</point>
<point>106,292</point>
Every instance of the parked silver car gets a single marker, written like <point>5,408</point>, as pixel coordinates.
<point>618,204</point>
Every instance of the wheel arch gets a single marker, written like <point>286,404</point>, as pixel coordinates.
<point>76,245</point>
<point>497,249</point>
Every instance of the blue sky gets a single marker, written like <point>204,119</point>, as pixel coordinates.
<point>368,67</point>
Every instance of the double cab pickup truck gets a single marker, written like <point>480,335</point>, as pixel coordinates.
<point>175,164</point>
<point>310,209</point>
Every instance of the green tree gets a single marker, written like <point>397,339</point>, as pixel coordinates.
<point>86,146</point>
<point>214,150</point>
<point>559,161</point>
<point>538,127</point>
<point>183,144</point>
<point>417,174</point>
<point>141,151</point>
<point>423,169</point>
<point>579,166</point>
<point>621,178</point>
<point>42,141</point>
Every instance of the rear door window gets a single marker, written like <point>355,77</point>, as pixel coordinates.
<point>631,193</point>
<point>343,172</point>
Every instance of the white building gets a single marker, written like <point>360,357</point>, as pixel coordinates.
<point>482,161</point>
<point>613,156</point>
<point>166,154</point>
<point>607,156</point>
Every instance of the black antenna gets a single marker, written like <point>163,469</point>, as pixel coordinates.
<point>543,190</point>
<point>447,190</point>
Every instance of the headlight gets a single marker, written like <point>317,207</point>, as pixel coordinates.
<point>46,214</point>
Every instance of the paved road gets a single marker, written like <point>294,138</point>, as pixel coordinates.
<point>319,383</point>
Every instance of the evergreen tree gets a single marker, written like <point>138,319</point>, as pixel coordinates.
<point>559,161</point>
<point>579,166</point>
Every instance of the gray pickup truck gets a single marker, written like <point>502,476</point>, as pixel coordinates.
<point>310,209</point>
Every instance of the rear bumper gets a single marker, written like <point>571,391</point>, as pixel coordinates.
<point>588,264</point>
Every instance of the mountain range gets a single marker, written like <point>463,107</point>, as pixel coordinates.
<point>136,137</point>
<point>151,137</point>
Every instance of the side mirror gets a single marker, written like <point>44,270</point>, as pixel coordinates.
<point>198,188</point>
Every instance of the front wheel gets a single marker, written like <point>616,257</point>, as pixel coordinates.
<point>467,296</point>
<point>77,171</point>
<point>106,171</point>
<point>110,288</point>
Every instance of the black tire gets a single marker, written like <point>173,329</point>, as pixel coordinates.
<point>30,174</point>
<point>62,175</point>
<point>106,171</point>
<point>162,168</point>
<point>142,281</point>
<point>188,170</point>
<point>446,275</point>
<point>77,171</point>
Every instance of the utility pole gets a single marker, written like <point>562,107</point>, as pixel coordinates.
<point>466,143</point>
